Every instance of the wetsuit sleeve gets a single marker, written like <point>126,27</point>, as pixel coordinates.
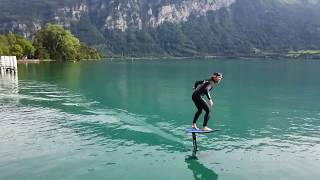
<point>208,88</point>
<point>196,84</point>
<point>208,95</point>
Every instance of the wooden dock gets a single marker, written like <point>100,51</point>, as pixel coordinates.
<point>8,64</point>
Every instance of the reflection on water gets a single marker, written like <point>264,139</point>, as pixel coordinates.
<point>60,123</point>
<point>78,126</point>
<point>200,172</point>
<point>9,83</point>
<point>9,87</point>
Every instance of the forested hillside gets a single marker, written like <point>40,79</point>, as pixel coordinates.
<point>174,27</point>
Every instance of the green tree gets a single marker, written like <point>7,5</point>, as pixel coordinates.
<point>4,46</point>
<point>26,45</point>
<point>38,43</point>
<point>11,39</point>
<point>60,43</point>
<point>87,52</point>
<point>17,50</point>
<point>16,45</point>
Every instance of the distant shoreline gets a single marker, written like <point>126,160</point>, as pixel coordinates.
<point>213,57</point>
<point>302,54</point>
<point>177,58</point>
<point>34,61</point>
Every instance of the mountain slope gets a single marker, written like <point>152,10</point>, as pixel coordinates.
<point>174,27</point>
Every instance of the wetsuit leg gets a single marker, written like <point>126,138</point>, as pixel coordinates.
<point>196,116</point>
<point>197,102</point>
<point>207,115</point>
<point>200,104</point>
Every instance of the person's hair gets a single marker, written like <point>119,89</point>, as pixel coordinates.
<point>217,74</point>
<point>214,74</point>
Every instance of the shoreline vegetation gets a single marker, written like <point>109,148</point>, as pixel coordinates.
<point>35,61</point>
<point>249,56</point>
<point>53,42</point>
<point>292,56</point>
<point>255,53</point>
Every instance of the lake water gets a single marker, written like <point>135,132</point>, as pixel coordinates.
<point>125,119</point>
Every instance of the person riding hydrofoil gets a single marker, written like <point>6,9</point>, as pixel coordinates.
<point>202,88</point>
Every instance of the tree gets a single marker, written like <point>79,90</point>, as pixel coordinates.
<point>17,50</point>
<point>38,43</point>
<point>26,45</point>
<point>11,39</point>
<point>87,52</point>
<point>4,46</point>
<point>54,42</point>
<point>60,43</point>
<point>16,45</point>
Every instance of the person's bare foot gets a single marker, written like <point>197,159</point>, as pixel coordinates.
<point>194,126</point>
<point>206,128</point>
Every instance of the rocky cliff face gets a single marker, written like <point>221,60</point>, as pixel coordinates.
<point>66,15</point>
<point>120,14</point>
<point>173,27</point>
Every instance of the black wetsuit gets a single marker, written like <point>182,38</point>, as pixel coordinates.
<point>203,89</point>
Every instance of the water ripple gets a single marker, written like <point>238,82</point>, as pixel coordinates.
<point>43,128</point>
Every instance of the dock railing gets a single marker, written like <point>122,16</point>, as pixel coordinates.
<point>8,64</point>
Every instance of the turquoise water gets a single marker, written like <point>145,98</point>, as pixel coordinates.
<point>125,119</point>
